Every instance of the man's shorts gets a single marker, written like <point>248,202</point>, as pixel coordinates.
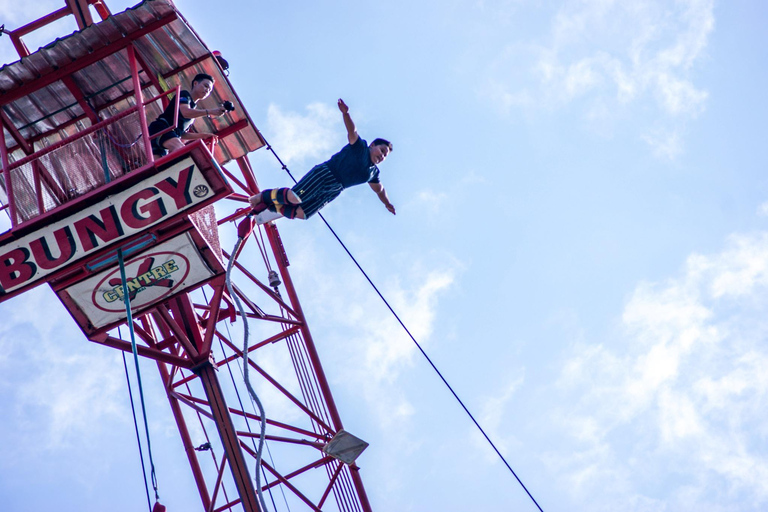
<point>316,189</point>
<point>156,126</point>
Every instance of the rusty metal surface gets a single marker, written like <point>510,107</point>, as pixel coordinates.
<point>41,113</point>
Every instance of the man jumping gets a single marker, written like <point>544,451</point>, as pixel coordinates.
<point>355,164</point>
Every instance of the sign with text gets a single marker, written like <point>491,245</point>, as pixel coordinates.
<point>29,259</point>
<point>151,277</point>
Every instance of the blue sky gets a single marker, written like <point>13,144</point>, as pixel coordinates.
<point>581,245</point>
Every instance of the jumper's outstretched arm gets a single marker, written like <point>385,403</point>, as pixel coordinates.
<point>382,193</point>
<point>352,135</point>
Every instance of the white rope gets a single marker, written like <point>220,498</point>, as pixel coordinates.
<point>246,378</point>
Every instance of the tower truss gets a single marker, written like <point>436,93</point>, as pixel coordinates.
<point>83,190</point>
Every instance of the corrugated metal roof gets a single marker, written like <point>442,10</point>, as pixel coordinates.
<point>45,109</point>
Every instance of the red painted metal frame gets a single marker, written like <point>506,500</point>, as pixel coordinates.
<point>20,32</point>
<point>180,335</point>
<point>23,144</point>
<point>140,101</point>
<point>183,349</point>
<point>79,9</point>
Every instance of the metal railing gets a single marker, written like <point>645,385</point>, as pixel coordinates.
<point>76,165</point>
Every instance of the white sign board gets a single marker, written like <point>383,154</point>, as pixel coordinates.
<point>151,277</point>
<point>126,213</point>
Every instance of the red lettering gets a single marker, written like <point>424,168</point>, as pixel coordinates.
<point>131,212</point>
<point>15,268</point>
<point>178,190</point>
<point>42,251</point>
<point>90,228</point>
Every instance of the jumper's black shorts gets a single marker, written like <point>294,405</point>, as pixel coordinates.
<point>316,189</point>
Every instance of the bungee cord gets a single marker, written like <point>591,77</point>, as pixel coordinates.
<point>246,376</point>
<point>245,416</point>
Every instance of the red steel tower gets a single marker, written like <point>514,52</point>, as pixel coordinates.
<point>95,215</point>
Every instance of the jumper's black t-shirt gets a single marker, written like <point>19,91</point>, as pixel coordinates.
<point>352,165</point>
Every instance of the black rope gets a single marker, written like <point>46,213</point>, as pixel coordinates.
<point>431,363</point>
<point>129,321</point>
<point>450,388</point>
<point>136,426</point>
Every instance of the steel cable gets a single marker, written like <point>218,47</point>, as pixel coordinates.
<point>429,360</point>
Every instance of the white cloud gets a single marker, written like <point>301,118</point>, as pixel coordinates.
<point>680,395</point>
<point>432,201</point>
<point>580,78</point>
<point>369,346</point>
<point>313,135</point>
<point>744,266</point>
<point>69,395</point>
<point>60,397</point>
<point>388,346</point>
<point>679,96</point>
<point>614,54</point>
<point>490,418</point>
<point>437,202</point>
<point>649,46</point>
<point>666,144</point>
